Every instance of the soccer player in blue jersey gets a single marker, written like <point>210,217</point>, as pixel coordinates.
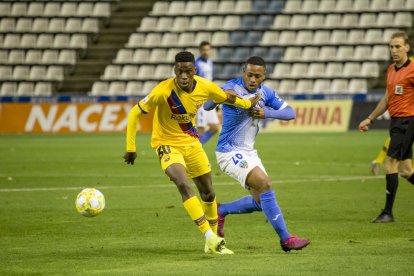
<point>204,69</point>
<point>237,157</point>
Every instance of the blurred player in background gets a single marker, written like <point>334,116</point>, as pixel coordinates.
<point>204,67</point>
<point>176,142</point>
<point>237,157</point>
<point>399,101</point>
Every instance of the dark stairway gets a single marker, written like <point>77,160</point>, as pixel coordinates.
<point>124,21</point>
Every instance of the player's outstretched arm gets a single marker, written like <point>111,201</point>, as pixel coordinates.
<point>287,113</point>
<point>379,110</point>
<point>131,149</point>
<point>234,99</point>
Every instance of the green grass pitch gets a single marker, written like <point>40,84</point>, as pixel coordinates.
<point>322,183</point>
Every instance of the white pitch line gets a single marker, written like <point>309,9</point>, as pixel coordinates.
<point>217,183</point>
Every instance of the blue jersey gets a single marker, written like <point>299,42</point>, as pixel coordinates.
<point>204,68</point>
<point>239,129</point>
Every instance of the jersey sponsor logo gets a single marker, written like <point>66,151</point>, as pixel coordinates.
<point>182,118</point>
<point>179,114</point>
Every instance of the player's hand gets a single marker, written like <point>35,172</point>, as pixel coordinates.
<point>258,113</point>
<point>364,125</point>
<point>231,96</point>
<point>129,157</point>
<point>254,100</point>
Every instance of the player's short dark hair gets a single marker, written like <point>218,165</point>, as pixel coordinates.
<point>204,43</point>
<point>184,56</point>
<point>256,60</point>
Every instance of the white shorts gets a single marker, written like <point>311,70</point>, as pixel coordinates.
<point>238,164</point>
<point>205,118</point>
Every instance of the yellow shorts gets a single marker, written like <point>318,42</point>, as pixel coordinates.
<point>192,157</point>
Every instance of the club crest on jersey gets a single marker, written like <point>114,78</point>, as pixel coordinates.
<point>398,89</point>
<point>166,158</point>
<point>243,164</point>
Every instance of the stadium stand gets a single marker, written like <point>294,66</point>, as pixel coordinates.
<point>314,46</point>
<point>310,46</point>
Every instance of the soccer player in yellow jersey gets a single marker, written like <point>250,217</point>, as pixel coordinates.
<point>176,142</point>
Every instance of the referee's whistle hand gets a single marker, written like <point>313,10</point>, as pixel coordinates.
<point>129,157</point>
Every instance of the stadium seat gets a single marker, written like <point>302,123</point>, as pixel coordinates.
<point>225,6</point>
<point>270,38</point>
<point>160,8</point>
<point>136,40</point>
<point>90,25</point>
<point>374,36</point>
<point>168,39</point>
<point>293,6</point>
<point>208,6</point>
<point>299,70</point>
<point>262,52</point>
<point>370,69</point>
<point>69,9</point>
<point>333,20</point>
<point>327,6</point>
<point>33,56</point>
<point>44,41</point>
<point>361,52</point>
<point>141,55</point>
<point>356,36</point>
<point>385,19</point>
<point>275,54</point>
<point>281,70</point>
<point>260,6</point>
<point>57,25</point>
<point>73,25</point>
<point>153,39</point>
<point>358,86</point>
<point>310,53</point>
<point>273,84</point>
<point>37,72</point>
<point>343,5</point>
<point>350,20</point>
<point>304,37</point>
<point>5,9</point>
<point>116,88</point>
<point>19,9</point>
<point>146,72</point>
<point>28,41</point>
<point>11,41</point>
<point>99,88</point>
<point>55,73</point>
<point>43,89</point>
<point>16,56</point>
<point>192,7</point>
<point>6,72</point>
<point>345,53</point>
<point>8,89</point>
<point>185,39</point>
<point>102,9</point>
<point>243,6</point>
<point>321,37</point>
<point>158,55</point>
<point>225,53</point>
<point>7,24</point>
<point>134,88</point>
<point>276,5</point>
<point>388,33</point>
<point>3,56</point>
<point>231,22</point>
<point>339,86</point>
<point>368,20</point>
<point>163,71</point>
<point>21,72</point>
<point>304,86</point>
<point>351,69</point>
<point>403,19</point>
<point>292,54</point>
<point>111,72</point>
<point>67,57</point>
<point>214,22</point>
<point>409,5</point>
<point>52,9</point>
<point>299,21</point>
<point>50,57</point>
<point>281,21</point>
<point>180,24</point>
<point>361,5</point>
<point>310,6</point>
<point>241,54</point>
<point>124,56</point>
<point>248,21</point>
<point>264,21</point>
<point>202,36</point>
<point>287,86</point>
<point>24,25</point>
<point>85,9</point>
<point>150,23</point>
<point>164,23</point>
<point>61,41</point>
<point>176,7</point>
<point>316,70</point>
<point>380,52</point>
<point>321,86</point>
<point>287,37</point>
<point>220,38</point>
<point>316,21</point>
<point>378,5</point>
<point>78,41</point>
<point>129,72</point>
<point>333,69</point>
<point>40,25</point>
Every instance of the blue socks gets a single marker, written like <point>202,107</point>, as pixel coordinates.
<point>205,137</point>
<point>243,205</point>
<point>273,214</point>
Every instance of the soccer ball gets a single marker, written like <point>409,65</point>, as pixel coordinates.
<point>90,202</point>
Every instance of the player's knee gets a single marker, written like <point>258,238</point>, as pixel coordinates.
<point>406,173</point>
<point>390,168</point>
<point>208,196</point>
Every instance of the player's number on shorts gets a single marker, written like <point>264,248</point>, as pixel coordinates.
<point>236,158</point>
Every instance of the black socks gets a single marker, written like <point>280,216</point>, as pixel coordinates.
<point>392,186</point>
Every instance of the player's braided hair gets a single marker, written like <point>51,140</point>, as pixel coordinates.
<point>184,56</point>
